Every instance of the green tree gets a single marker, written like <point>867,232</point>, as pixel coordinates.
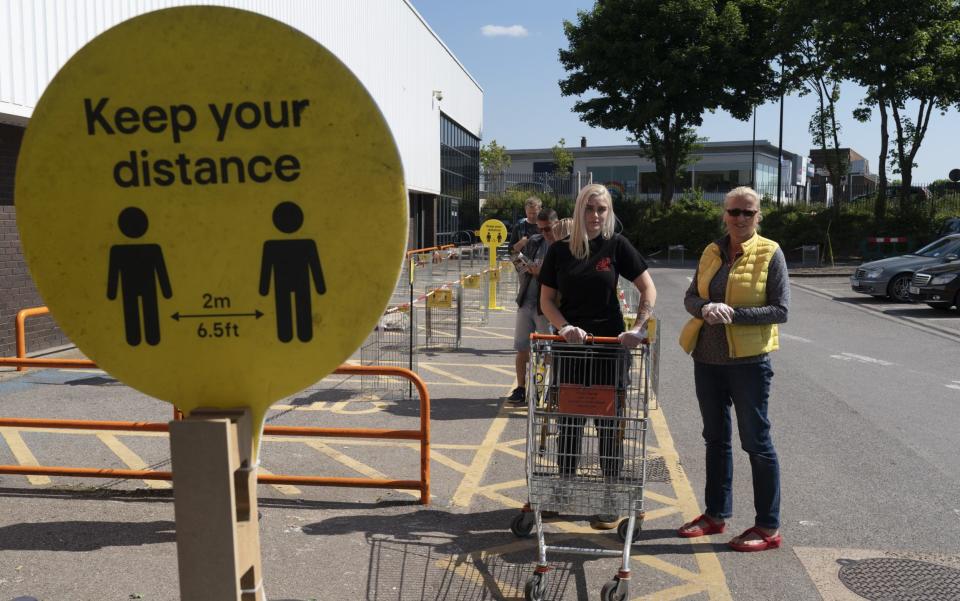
<point>494,160</point>
<point>811,69</point>
<point>900,52</point>
<point>652,68</point>
<point>562,158</point>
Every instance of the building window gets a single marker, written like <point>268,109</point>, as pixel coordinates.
<point>458,207</point>
<point>622,178</point>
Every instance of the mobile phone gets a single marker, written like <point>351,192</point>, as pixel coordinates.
<point>520,262</point>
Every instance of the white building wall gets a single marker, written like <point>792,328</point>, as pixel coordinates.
<point>386,43</point>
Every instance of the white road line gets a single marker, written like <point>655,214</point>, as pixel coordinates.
<point>861,359</point>
<point>794,338</point>
<point>955,385</point>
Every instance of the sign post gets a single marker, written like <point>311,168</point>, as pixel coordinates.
<point>493,233</point>
<point>182,195</point>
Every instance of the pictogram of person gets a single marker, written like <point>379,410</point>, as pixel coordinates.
<point>292,264</point>
<point>137,268</point>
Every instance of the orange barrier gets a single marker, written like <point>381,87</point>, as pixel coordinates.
<point>20,329</point>
<point>417,251</point>
<point>422,434</point>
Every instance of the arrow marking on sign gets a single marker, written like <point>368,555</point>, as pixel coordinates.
<point>256,314</point>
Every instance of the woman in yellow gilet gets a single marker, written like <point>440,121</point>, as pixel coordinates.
<point>738,295</point>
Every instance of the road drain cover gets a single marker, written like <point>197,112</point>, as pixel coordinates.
<point>895,579</point>
<point>657,470</point>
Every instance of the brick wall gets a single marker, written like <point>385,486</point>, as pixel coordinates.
<point>17,290</point>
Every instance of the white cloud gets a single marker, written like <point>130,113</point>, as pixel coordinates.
<point>513,31</point>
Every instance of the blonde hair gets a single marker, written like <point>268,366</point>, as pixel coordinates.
<point>562,228</point>
<point>743,192</point>
<point>533,201</point>
<point>751,195</point>
<point>579,243</point>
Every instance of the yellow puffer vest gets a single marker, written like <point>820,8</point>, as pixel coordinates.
<point>746,287</point>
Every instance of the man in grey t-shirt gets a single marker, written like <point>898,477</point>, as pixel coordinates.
<point>529,317</point>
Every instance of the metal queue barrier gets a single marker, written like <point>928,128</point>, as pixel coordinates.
<point>422,434</point>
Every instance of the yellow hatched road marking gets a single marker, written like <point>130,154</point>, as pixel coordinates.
<point>507,371</point>
<point>23,454</point>
<point>447,374</point>
<point>129,458</point>
<point>489,334</point>
<point>286,489</point>
<point>357,466</point>
<point>711,572</point>
<point>471,480</point>
<point>675,592</point>
<point>444,460</point>
<point>509,450</point>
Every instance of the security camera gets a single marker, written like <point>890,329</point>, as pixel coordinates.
<point>438,94</point>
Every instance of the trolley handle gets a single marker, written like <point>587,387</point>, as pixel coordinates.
<point>589,339</point>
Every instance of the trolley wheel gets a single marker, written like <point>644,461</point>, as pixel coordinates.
<point>535,589</point>
<point>522,524</point>
<point>622,529</point>
<point>614,590</point>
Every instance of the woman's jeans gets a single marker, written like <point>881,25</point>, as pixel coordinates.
<point>746,386</point>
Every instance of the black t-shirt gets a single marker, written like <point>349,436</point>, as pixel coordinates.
<point>588,288</point>
<point>524,228</point>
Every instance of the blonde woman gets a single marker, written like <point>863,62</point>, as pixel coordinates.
<point>584,270</point>
<point>738,296</point>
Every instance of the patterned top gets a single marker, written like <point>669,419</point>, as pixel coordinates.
<point>712,344</point>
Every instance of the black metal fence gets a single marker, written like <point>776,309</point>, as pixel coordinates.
<point>506,192</point>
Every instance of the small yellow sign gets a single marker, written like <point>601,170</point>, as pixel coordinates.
<point>440,298</point>
<point>472,282</point>
<point>493,232</point>
<point>182,190</point>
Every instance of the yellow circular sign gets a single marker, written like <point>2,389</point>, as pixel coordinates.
<point>203,194</point>
<point>493,232</point>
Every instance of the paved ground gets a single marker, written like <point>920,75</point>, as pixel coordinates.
<point>74,539</point>
<point>78,540</point>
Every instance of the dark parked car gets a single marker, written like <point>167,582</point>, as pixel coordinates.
<point>951,225</point>
<point>891,276</point>
<point>937,286</point>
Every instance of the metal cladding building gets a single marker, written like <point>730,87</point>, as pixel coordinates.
<point>716,168</point>
<point>433,105</point>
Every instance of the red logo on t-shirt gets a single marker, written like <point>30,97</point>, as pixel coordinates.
<point>603,264</point>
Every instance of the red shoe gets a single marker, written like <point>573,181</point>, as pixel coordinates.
<point>765,542</point>
<point>712,528</point>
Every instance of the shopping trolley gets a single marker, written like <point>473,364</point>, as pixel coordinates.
<point>586,444</point>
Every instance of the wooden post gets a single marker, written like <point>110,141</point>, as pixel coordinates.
<point>215,503</point>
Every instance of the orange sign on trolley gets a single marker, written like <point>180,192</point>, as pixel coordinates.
<point>588,400</point>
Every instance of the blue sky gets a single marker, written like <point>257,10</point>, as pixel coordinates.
<point>523,107</point>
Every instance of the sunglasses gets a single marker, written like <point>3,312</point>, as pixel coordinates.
<point>739,212</point>
<point>545,229</point>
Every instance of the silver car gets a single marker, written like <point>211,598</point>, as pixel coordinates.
<point>891,276</point>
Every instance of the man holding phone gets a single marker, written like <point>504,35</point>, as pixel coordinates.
<point>529,317</point>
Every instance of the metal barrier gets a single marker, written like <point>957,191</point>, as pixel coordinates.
<point>391,344</point>
<point>476,298</point>
<point>422,434</point>
<point>443,316</point>
<point>20,329</point>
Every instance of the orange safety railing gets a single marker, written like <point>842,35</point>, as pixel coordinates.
<point>422,434</point>
<point>418,251</point>
<point>20,329</point>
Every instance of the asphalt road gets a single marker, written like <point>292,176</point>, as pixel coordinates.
<point>866,422</point>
